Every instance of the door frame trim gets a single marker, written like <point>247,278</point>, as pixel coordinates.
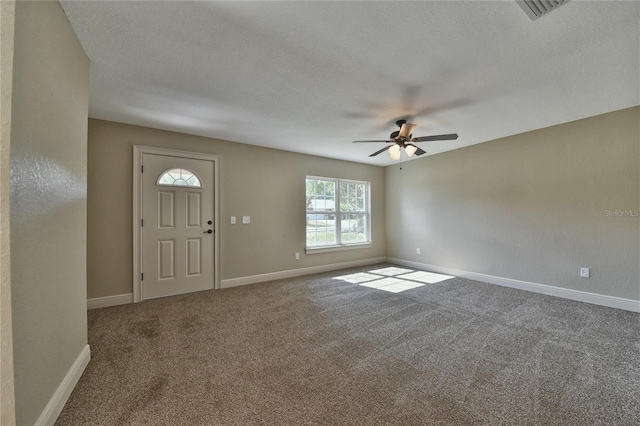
<point>138,152</point>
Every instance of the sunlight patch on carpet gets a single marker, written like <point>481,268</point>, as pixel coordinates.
<point>361,277</point>
<point>427,277</point>
<point>394,280</point>
<point>391,271</point>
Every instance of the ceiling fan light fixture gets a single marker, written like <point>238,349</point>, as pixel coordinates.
<point>403,139</point>
<point>394,152</point>
<point>410,150</point>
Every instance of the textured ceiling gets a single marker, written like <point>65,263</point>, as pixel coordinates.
<point>311,77</point>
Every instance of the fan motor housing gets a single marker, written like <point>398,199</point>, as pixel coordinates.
<point>396,134</point>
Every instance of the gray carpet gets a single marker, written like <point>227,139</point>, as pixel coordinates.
<point>316,350</point>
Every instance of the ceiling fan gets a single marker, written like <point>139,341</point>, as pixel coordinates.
<point>402,139</point>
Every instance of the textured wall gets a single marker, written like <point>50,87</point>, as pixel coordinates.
<point>7,403</point>
<point>533,207</point>
<point>48,203</point>
<point>266,184</point>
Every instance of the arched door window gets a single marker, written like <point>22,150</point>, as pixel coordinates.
<point>179,177</point>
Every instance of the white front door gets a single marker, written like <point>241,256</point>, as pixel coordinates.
<point>177,225</point>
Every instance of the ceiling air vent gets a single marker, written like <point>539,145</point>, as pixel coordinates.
<point>536,8</point>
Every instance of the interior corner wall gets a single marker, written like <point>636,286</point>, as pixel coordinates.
<point>534,207</point>
<point>266,184</point>
<point>48,204</point>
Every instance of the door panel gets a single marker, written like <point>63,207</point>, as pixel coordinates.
<point>193,210</point>
<point>166,259</point>
<point>193,256</point>
<point>166,209</point>
<point>177,250</point>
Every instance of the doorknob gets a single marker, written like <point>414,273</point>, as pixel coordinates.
<point>208,231</point>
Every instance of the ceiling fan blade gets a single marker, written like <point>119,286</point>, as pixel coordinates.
<point>406,130</point>
<point>420,151</point>
<point>372,141</point>
<point>450,137</point>
<point>380,151</point>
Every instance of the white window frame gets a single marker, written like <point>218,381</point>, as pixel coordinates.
<point>338,214</point>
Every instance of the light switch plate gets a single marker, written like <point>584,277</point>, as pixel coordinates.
<point>246,219</point>
<point>233,220</point>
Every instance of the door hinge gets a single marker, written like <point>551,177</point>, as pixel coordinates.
<point>141,169</point>
<point>142,277</point>
<point>141,222</point>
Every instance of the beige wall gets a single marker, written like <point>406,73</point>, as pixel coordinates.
<point>7,26</point>
<point>48,204</point>
<point>530,207</point>
<point>266,184</point>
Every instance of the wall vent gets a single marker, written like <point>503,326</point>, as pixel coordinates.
<point>536,8</point>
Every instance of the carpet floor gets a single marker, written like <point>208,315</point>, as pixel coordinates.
<point>351,348</point>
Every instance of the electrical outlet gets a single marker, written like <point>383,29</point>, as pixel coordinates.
<point>585,272</point>
<point>297,256</point>
<point>418,250</point>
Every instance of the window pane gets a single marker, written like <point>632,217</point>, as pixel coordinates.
<point>320,230</point>
<point>179,177</point>
<point>194,181</point>
<point>354,228</point>
<point>166,179</point>
<point>320,195</point>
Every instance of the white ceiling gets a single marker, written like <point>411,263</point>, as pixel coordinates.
<point>311,77</point>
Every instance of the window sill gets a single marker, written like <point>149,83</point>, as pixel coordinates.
<point>327,249</point>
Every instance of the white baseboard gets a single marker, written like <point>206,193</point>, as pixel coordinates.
<point>253,279</point>
<point>56,403</point>
<point>123,299</point>
<point>581,296</point>
<point>104,302</point>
